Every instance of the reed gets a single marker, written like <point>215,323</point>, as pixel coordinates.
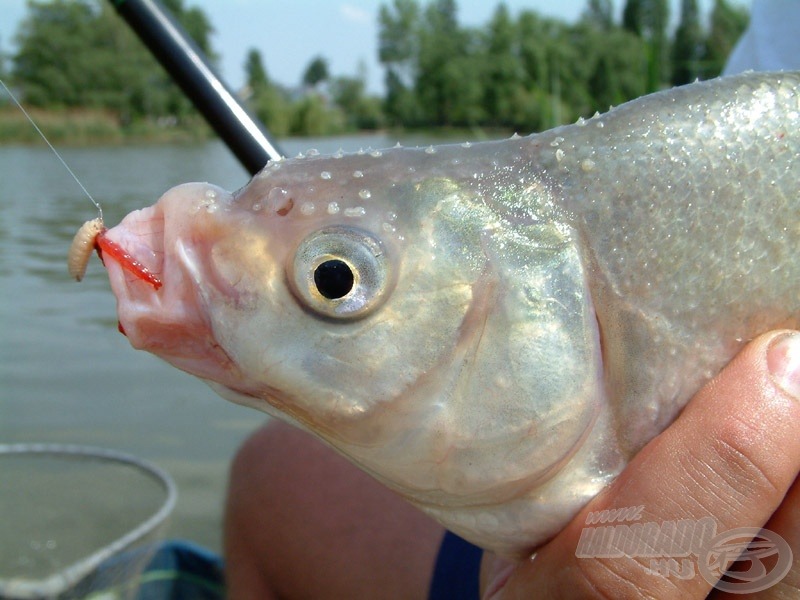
<point>80,127</point>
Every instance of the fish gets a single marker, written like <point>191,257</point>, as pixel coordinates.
<point>494,329</point>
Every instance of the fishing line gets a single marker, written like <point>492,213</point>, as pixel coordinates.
<point>63,162</point>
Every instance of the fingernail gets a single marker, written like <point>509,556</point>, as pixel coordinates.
<point>783,361</point>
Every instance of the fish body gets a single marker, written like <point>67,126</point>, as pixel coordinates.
<point>492,330</point>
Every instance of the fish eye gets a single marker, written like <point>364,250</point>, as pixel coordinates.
<point>334,279</point>
<point>340,272</point>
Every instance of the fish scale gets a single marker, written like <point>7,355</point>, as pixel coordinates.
<point>734,192</point>
<point>520,317</point>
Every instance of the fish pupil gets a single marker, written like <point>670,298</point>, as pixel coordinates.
<point>334,279</point>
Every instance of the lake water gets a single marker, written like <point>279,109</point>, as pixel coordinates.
<point>66,374</point>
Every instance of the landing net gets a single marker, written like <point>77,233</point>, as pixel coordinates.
<point>67,515</point>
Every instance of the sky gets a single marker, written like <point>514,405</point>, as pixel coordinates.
<point>289,34</point>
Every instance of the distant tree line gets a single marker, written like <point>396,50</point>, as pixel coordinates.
<point>524,72</point>
<point>322,105</point>
<point>532,72</point>
<point>79,53</point>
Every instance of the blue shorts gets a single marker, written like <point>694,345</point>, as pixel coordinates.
<point>170,570</point>
<point>457,570</point>
<point>177,570</point>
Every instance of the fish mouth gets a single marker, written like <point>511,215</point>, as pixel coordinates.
<point>133,247</point>
<point>137,246</point>
<point>169,318</point>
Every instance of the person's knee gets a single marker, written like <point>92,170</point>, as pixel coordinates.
<point>271,465</point>
<point>266,443</point>
<point>273,455</point>
<point>300,516</point>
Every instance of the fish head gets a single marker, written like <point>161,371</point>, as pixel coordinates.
<point>389,308</point>
<point>328,308</point>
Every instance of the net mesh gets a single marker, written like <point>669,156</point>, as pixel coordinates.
<point>72,514</point>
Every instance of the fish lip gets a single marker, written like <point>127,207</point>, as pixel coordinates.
<point>137,300</point>
<point>136,235</point>
<point>168,321</point>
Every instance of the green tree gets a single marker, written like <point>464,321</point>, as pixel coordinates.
<point>196,23</point>
<point>274,109</point>
<point>649,19</point>
<point>618,75</point>
<point>316,72</point>
<point>599,13</point>
<point>448,74</point>
<point>199,28</point>
<point>74,53</point>
<point>398,36</point>
<point>728,23</point>
<point>270,104</point>
<point>311,116</point>
<point>614,53</point>
<point>400,105</point>
<point>255,73</point>
<point>361,111</point>
<point>3,63</point>
<point>398,51</point>
<point>687,48</point>
<point>633,18</point>
<point>556,71</point>
<point>125,77</point>
<point>52,64</point>
<point>503,69</point>
<point>530,73</point>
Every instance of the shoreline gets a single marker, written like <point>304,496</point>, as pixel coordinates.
<point>93,127</point>
<point>87,127</point>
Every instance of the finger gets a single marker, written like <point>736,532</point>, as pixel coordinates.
<point>786,523</point>
<point>732,455</point>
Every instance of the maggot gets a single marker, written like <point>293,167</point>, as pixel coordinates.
<point>81,248</point>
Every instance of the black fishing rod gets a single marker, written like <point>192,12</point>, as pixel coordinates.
<point>244,134</point>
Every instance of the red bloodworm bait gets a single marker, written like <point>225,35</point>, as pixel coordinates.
<point>110,248</point>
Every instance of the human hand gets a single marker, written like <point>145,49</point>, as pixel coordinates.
<point>733,454</point>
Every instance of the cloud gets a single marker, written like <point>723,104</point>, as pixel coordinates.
<point>355,14</point>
